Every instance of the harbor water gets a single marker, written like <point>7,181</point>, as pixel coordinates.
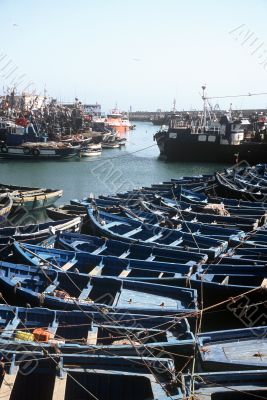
<point>116,170</point>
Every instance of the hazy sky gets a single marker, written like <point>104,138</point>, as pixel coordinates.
<point>139,53</point>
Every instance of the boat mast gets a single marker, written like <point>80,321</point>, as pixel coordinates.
<point>174,106</point>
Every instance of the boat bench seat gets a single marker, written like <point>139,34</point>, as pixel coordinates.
<point>111,224</point>
<point>133,232</point>
<point>15,279</point>
<point>85,293</point>
<point>69,265</point>
<point>125,254</point>
<point>92,336</point>
<point>10,328</point>
<point>52,287</point>
<point>99,250</point>
<point>52,328</point>
<point>124,273</point>
<point>176,242</point>
<point>150,258</point>
<point>97,270</point>
<point>153,238</point>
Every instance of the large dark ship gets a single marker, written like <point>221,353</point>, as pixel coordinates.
<point>209,138</point>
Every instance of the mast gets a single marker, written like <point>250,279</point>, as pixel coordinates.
<point>205,106</point>
<point>174,106</point>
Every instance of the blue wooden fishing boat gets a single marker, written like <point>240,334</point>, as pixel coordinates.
<point>125,229</point>
<point>238,349</point>
<point>208,214</point>
<point>157,219</point>
<point>242,183</point>
<point>124,250</point>
<point>254,211</point>
<point>255,215</point>
<point>239,385</point>
<point>88,376</point>
<point>35,233</point>
<point>156,214</point>
<point>98,265</point>
<point>185,213</point>
<point>213,283</point>
<point>68,290</point>
<point>65,211</point>
<point>255,253</point>
<point>73,332</point>
<point>225,290</point>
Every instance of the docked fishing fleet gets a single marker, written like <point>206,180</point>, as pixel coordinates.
<point>39,128</point>
<point>213,137</point>
<point>155,293</point>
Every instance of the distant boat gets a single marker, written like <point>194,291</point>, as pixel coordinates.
<point>110,145</point>
<point>205,138</point>
<point>30,198</point>
<point>39,151</point>
<point>117,121</point>
<point>90,153</point>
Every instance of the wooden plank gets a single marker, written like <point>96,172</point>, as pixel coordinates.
<point>176,242</point>
<point>124,273</point>
<point>125,254</point>
<point>150,258</point>
<point>155,237</point>
<point>99,250</point>
<point>85,293</point>
<point>68,265</point>
<point>96,271</point>
<point>133,232</point>
<point>7,386</point>
<point>225,281</point>
<point>92,336</point>
<point>59,388</point>
<point>9,329</point>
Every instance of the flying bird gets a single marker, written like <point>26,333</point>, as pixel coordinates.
<point>136,59</point>
<point>15,25</point>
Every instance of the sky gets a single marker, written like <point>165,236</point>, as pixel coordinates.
<point>141,54</point>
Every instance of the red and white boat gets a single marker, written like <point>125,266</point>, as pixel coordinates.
<point>118,121</point>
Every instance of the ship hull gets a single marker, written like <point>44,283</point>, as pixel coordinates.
<point>188,148</point>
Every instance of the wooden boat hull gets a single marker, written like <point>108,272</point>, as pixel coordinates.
<point>62,212</point>
<point>239,385</point>
<point>123,250</point>
<point>87,376</point>
<point>239,349</point>
<point>27,284</point>
<point>30,198</point>
<point>113,227</point>
<point>6,204</point>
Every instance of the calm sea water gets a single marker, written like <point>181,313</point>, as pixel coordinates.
<point>116,170</point>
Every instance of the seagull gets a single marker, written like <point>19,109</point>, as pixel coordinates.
<point>136,59</point>
<point>15,25</point>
